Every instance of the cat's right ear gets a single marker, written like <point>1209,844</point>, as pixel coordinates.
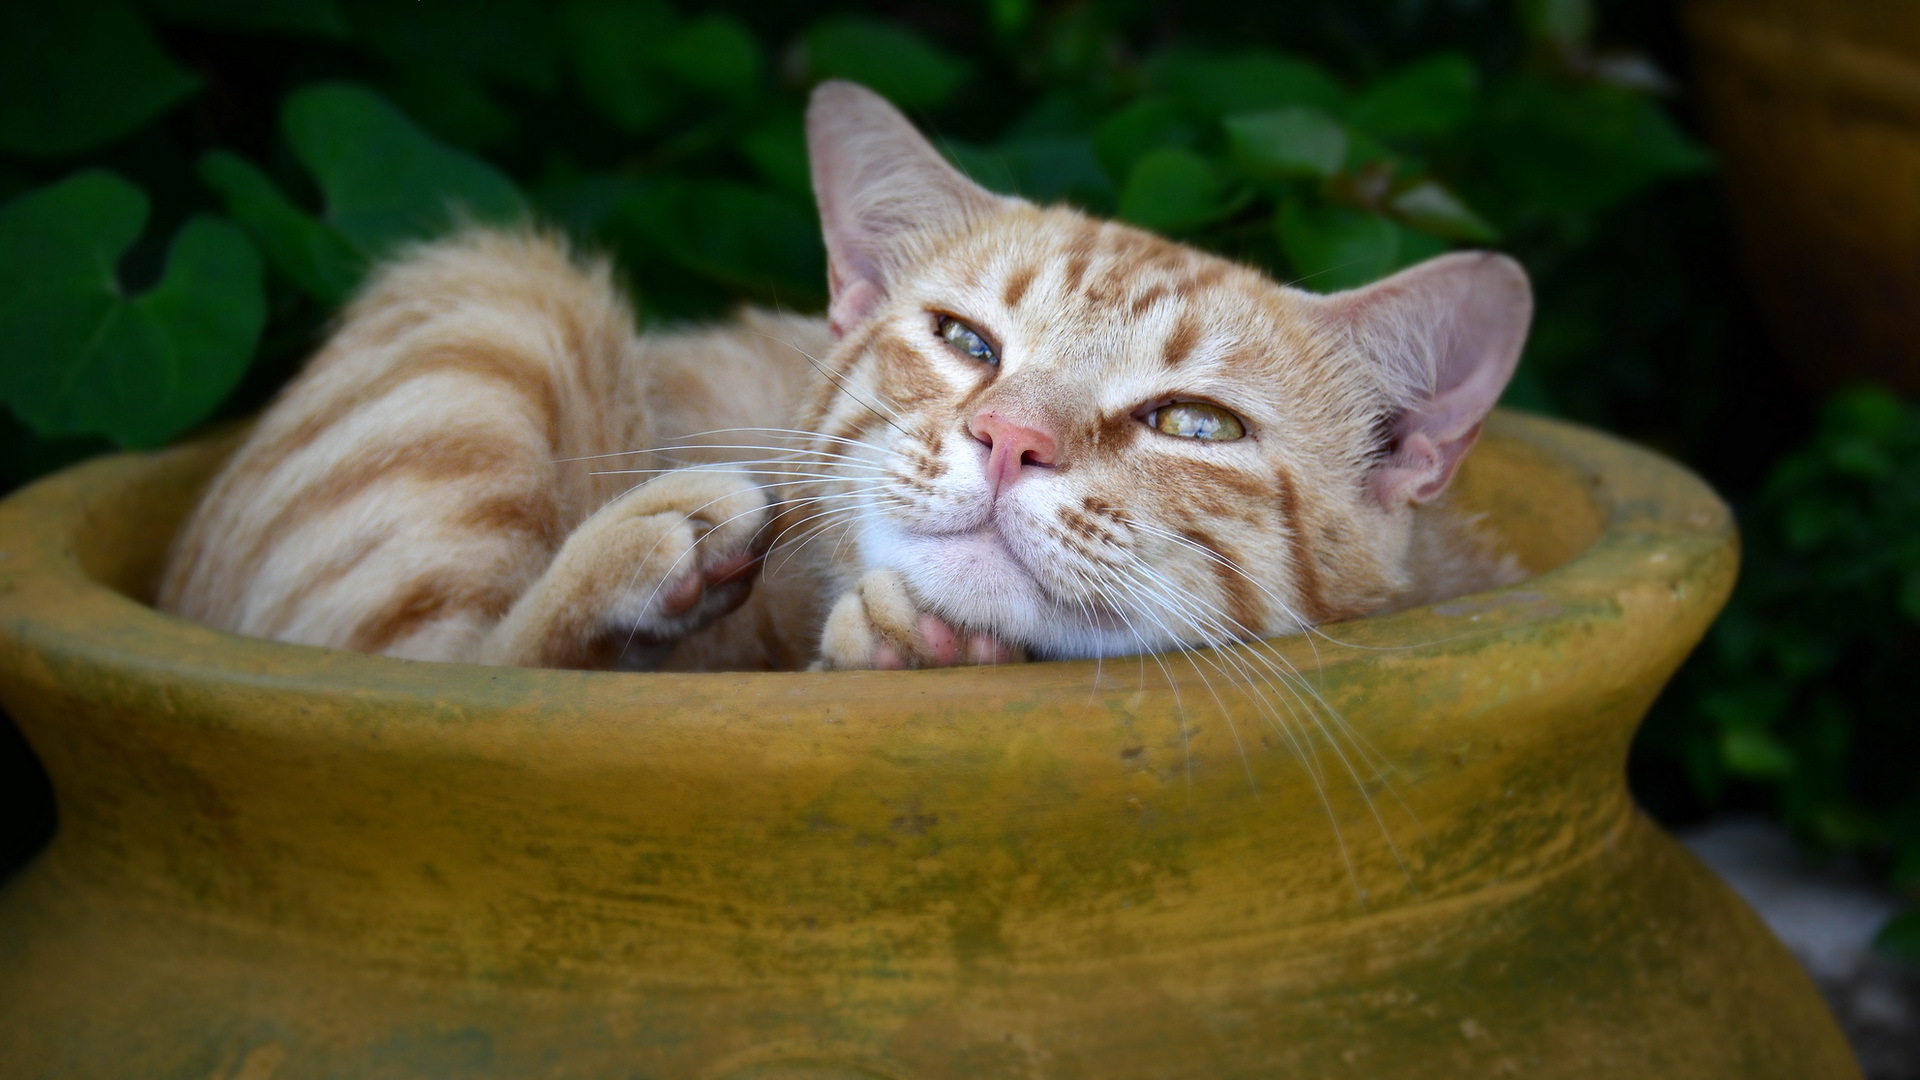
<point>1446,334</point>
<point>882,188</point>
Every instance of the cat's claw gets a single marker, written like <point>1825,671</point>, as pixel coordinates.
<point>877,624</point>
<point>712,582</point>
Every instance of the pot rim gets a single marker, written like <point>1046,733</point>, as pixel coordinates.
<point>52,596</point>
<point>65,595</point>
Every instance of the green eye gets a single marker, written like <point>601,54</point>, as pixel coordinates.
<point>966,339</point>
<point>1196,420</point>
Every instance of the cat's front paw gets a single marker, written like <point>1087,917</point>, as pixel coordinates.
<point>642,572</point>
<point>688,547</point>
<point>877,624</point>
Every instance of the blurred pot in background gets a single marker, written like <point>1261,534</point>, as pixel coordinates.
<point>1815,108</point>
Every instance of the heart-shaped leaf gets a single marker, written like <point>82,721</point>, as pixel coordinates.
<point>715,55</point>
<point>611,45</point>
<point>322,264</point>
<point>1131,133</point>
<point>1333,247</point>
<point>1213,85</point>
<point>741,236</point>
<point>1297,141</point>
<point>76,76</point>
<point>85,358</point>
<point>1430,206</point>
<point>1431,97</point>
<point>1172,189</point>
<point>383,179</point>
<point>895,63</point>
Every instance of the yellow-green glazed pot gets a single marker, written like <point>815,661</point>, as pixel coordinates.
<point>285,862</point>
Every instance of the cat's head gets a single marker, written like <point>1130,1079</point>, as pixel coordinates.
<point>1092,440</point>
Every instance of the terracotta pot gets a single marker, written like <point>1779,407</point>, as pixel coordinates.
<point>1815,109</point>
<point>286,862</point>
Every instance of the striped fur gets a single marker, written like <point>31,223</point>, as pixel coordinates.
<point>485,463</point>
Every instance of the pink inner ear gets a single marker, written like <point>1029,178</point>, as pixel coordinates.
<point>851,304</point>
<point>880,186</point>
<point>1451,330</point>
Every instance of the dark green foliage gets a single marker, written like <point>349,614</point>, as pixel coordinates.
<point>676,137</point>
<point>1804,689</point>
<point>1330,141</point>
<point>1900,938</point>
<point>76,76</point>
<point>86,360</point>
<point>912,72</point>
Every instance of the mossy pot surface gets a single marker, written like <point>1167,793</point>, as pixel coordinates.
<point>1418,859</point>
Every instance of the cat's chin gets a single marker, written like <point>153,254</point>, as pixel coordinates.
<point>975,579</point>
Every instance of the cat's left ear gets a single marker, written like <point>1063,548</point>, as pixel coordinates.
<point>882,190</point>
<point>1448,333</point>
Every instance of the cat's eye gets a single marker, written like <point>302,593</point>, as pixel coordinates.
<point>1196,420</point>
<point>965,338</point>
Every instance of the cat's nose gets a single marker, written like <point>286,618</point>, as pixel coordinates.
<point>1011,447</point>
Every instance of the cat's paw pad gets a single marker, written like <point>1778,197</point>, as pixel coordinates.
<point>877,624</point>
<point>722,582</point>
<point>677,553</point>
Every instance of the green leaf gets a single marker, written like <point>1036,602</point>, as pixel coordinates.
<point>1809,521</point>
<point>74,76</point>
<point>776,146</point>
<point>714,55</point>
<point>1860,457</point>
<point>1755,754</point>
<point>88,360</point>
<point>1336,247</point>
<point>315,257</point>
<point>1298,141</point>
<point>1566,23</point>
<point>383,180</point>
<point>504,41</point>
<point>1130,134</point>
<point>1870,411</point>
<point>1428,205</point>
<point>453,106</point>
<point>1212,85</point>
<point>1752,706</point>
<point>1905,875</point>
<point>1910,598</point>
<point>1579,149</point>
<point>742,236</point>
<point>1049,168</point>
<point>297,18</point>
<point>1431,97</point>
<point>1172,189</point>
<point>1010,16</point>
<point>1900,938</point>
<point>612,48</point>
<point>895,63</point>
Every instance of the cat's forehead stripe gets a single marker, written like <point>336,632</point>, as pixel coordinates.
<point>1147,298</point>
<point>1180,343</point>
<point>1017,284</point>
<point>1079,252</point>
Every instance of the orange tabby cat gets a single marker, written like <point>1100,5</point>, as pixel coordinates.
<point>1019,431</point>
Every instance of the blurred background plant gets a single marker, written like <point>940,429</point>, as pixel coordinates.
<point>189,189</point>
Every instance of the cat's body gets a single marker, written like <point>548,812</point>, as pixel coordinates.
<point>1019,430</point>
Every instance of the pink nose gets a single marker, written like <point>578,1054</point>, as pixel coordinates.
<point>1012,445</point>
